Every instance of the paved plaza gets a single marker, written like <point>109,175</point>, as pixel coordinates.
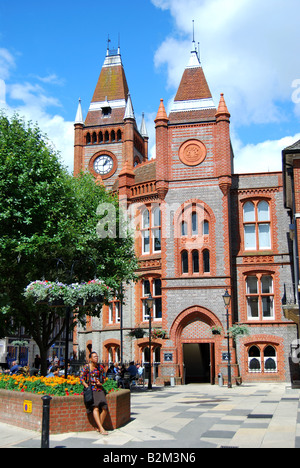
<point>264,415</point>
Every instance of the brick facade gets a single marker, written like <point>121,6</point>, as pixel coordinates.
<point>218,231</point>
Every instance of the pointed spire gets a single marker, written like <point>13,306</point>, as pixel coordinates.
<point>78,118</point>
<point>161,114</point>
<point>129,113</point>
<point>222,109</point>
<point>143,129</point>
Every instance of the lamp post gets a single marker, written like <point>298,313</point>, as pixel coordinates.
<point>227,298</point>
<point>149,302</point>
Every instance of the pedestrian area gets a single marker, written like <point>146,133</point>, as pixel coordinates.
<point>264,415</point>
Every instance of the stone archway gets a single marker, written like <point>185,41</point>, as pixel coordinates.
<point>196,346</point>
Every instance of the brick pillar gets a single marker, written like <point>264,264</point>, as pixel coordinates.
<point>162,170</point>
<point>78,148</point>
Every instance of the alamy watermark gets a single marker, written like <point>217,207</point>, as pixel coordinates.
<point>296,93</point>
<point>188,221</point>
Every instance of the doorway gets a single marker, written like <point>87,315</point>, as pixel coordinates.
<point>197,362</point>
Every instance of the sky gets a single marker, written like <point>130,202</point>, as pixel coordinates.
<point>51,54</point>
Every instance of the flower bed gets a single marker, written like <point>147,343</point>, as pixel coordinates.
<point>56,386</point>
<point>67,413</point>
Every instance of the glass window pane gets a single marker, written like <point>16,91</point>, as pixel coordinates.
<point>270,365</point>
<point>146,242</point>
<point>194,224</point>
<point>157,287</point>
<point>184,228</point>
<point>267,306</point>
<point>157,240</point>
<point>252,307</point>
<point>184,262</point>
<point>206,263</point>
<point>254,364</point>
<point>147,290</point>
<point>146,219</point>
<point>264,236</point>
<point>250,237</point>
<point>157,308</point>
<point>252,285</point>
<point>205,228</point>
<point>269,351</point>
<point>195,262</point>
<point>249,212</point>
<point>263,211</point>
<point>156,217</point>
<point>266,285</point>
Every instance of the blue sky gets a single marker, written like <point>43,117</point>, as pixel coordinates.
<point>52,53</point>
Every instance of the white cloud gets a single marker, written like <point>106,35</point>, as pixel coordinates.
<point>7,62</point>
<point>32,102</point>
<point>249,51</point>
<point>261,157</point>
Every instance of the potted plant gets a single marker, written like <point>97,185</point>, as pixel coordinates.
<point>95,292</point>
<point>159,333</point>
<point>137,333</point>
<point>58,293</point>
<point>38,291</point>
<point>216,330</point>
<point>238,330</point>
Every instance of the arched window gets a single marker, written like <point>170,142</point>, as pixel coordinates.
<point>254,359</point>
<point>88,138</point>
<point>100,136</point>
<point>194,224</point>
<point>206,261</point>
<point>270,359</point>
<point>195,256</point>
<point>119,135</point>
<point>184,228</point>
<point>113,135</point>
<point>184,262</point>
<point>106,136</point>
<point>94,138</point>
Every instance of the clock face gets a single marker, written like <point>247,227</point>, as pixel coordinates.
<point>103,164</point>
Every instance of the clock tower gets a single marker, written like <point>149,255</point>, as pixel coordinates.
<point>108,142</point>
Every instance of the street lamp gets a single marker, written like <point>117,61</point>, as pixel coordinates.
<point>149,301</point>
<point>227,299</point>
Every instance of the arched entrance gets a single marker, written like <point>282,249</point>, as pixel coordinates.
<point>196,345</point>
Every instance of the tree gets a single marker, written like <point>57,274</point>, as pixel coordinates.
<point>48,226</point>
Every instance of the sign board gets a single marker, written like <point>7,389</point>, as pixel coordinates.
<point>27,406</point>
<point>168,357</point>
<point>225,356</point>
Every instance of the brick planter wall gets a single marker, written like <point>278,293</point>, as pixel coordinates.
<point>67,414</point>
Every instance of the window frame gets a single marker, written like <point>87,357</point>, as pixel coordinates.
<point>260,295</point>
<point>256,224</point>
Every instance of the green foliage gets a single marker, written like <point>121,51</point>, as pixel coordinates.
<point>48,228</point>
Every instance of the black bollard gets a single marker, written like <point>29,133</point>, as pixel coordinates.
<point>46,421</point>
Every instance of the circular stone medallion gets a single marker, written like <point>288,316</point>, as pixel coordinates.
<point>192,152</point>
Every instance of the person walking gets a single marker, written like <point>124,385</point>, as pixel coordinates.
<point>93,374</point>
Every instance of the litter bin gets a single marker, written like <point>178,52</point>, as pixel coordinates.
<point>221,380</point>
<point>172,381</point>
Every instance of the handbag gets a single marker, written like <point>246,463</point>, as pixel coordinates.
<point>88,395</point>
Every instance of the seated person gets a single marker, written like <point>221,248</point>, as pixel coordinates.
<point>132,369</point>
<point>54,372</point>
<point>14,368</point>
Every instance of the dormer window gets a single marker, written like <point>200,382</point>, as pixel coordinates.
<point>106,109</point>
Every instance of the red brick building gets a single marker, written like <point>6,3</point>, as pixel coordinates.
<point>200,230</point>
